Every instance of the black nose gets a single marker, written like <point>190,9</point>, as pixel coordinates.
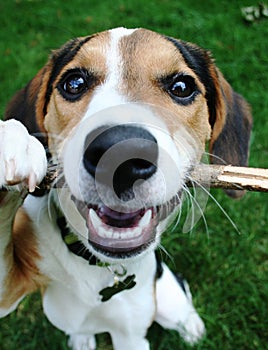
<point>133,158</point>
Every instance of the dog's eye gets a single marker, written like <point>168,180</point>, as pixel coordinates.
<point>74,84</point>
<point>181,88</point>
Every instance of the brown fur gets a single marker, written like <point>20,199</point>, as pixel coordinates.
<point>21,260</point>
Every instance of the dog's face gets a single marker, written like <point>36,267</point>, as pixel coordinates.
<point>127,114</point>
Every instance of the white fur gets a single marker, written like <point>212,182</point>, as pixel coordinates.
<point>82,342</point>
<point>20,161</point>
<point>175,309</point>
<point>107,94</point>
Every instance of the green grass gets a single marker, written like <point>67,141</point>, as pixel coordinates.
<point>227,267</point>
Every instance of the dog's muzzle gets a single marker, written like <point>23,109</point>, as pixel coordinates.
<point>119,158</point>
<point>125,179</point>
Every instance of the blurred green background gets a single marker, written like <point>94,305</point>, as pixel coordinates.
<point>227,267</point>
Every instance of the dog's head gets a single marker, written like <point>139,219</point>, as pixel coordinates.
<point>127,114</point>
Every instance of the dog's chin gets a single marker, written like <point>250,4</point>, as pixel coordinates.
<point>120,235</point>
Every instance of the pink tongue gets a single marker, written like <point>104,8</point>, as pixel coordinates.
<point>108,215</point>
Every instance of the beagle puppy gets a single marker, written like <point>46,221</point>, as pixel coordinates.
<point>123,116</point>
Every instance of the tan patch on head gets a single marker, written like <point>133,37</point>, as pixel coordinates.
<point>23,275</point>
<point>63,115</point>
<point>147,58</point>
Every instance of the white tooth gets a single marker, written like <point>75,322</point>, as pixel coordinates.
<point>96,221</point>
<point>106,231</point>
<point>132,233</point>
<point>145,220</point>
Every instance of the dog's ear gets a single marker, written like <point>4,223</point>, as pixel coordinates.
<point>229,114</point>
<point>231,124</point>
<point>27,106</point>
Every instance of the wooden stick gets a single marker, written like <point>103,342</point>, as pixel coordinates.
<point>216,176</point>
<point>231,177</point>
<point>211,176</point>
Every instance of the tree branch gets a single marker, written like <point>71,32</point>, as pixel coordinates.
<point>231,177</point>
<point>213,176</point>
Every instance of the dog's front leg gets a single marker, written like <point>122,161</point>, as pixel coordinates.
<point>22,161</point>
<point>9,204</point>
<point>175,309</point>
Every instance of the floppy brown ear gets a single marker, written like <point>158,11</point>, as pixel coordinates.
<point>27,106</point>
<point>231,128</point>
<point>229,114</point>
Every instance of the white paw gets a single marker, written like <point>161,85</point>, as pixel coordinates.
<point>82,342</point>
<point>22,157</point>
<point>175,308</point>
<point>193,329</point>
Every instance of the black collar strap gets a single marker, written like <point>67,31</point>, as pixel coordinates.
<point>73,243</point>
<point>78,248</point>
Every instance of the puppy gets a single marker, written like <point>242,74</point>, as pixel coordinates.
<point>123,116</point>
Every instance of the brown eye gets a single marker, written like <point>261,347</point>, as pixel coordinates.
<point>181,88</point>
<point>74,84</point>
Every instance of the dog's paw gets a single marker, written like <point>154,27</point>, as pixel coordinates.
<point>193,328</point>
<point>82,342</point>
<point>22,156</point>
<point>175,309</point>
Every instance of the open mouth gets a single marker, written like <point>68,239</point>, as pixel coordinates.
<point>114,232</point>
<point>122,234</point>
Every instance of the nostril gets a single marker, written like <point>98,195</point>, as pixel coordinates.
<point>92,156</point>
<point>96,144</point>
<point>129,172</point>
<point>142,167</point>
<point>136,169</point>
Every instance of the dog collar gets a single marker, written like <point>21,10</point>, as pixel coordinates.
<point>78,248</point>
<point>73,243</point>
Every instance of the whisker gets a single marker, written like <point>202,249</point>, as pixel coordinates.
<point>178,216</point>
<point>162,249</point>
<point>218,204</point>
<point>194,202</point>
<point>214,156</point>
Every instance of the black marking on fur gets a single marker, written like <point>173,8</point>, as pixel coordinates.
<point>181,282</point>
<point>76,247</point>
<point>159,265</point>
<point>199,61</point>
<point>60,59</point>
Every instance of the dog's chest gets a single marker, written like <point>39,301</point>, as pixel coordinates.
<point>87,290</point>
<point>91,299</point>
